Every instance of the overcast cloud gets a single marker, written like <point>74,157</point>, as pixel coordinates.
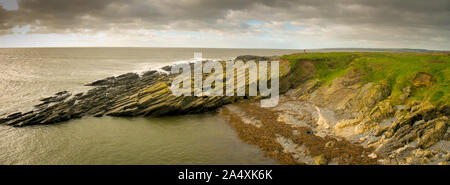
<point>227,23</point>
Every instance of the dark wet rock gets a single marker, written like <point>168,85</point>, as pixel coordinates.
<point>112,80</point>
<point>127,77</point>
<point>58,97</point>
<point>62,93</point>
<point>105,81</point>
<point>14,115</point>
<point>148,73</point>
<point>10,117</point>
<point>167,68</point>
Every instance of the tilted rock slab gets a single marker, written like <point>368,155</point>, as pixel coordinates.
<point>125,95</point>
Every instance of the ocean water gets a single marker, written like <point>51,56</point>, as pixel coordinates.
<point>32,73</point>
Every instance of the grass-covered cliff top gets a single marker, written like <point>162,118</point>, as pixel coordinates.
<point>425,75</point>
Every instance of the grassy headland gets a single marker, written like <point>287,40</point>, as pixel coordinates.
<point>426,74</point>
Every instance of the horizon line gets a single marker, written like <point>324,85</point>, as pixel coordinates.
<point>368,48</point>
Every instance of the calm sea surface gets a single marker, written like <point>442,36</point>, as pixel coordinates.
<point>30,74</point>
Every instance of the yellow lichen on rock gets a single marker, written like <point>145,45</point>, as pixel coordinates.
<point>320,160</point>
<point>434,132</point>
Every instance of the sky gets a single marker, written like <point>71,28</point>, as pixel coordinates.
<point>284,24</point>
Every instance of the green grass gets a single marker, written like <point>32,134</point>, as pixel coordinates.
<point>398,69</point>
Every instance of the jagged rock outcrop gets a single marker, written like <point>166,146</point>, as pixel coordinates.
<point>125,95</point>
<point>419,125</point>
<point>128,94</point>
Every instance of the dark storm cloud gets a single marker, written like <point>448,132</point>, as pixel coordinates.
<point>59,14</point>
<point>74,14</point>
<point>231,16</point>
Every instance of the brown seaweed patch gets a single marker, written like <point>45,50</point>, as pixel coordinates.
<point>330,148</point>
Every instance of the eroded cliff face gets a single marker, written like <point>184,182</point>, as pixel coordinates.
<point>348,121</point>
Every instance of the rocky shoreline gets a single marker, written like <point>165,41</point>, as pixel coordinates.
<point>348,121</point>
<point>123,96</point>
<point>300,132</point>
